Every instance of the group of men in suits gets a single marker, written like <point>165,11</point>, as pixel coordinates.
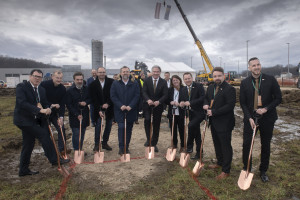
<point>259,95</point>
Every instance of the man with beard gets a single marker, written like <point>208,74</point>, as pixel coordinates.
<point>259,95</point>
<point>155,93</point>
<point>219,103</point>
<point>125,94</point>
<point>77,101</point>
<point>29,116</point>
<point>99,91</point>
<point>192,96</point>
<point>55,92</point>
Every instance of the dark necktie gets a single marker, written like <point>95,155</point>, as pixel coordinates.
<point>189,92</point>
<point>36,95</point>
<point>217,90</point>
<point>154,85</point>
<point>256,94</point>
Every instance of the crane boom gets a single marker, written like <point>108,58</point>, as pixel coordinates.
<point>197,41</point>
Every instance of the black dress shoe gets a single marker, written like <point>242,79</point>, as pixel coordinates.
<point>107,147</point>
<point>264,177</point>
<point>120,152</point>
<point>146,144</point>
<point>96,147</point>
<point>29,172</point>
<point>155,148</point>
<point>189,150</point>
<point>196,157</point>
<point>62,161</point>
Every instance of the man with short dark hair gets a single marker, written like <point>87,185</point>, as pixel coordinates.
<point>192,96</point>
<point>99,91</point>
<point>167,78</point>
<point>30,116</point>
<point>155,93</point>
<point>125,95</point>
<point>88,82</point>
<point>77,101</point>
<point>219,103</point>
<point>55,93</point>
<point>259,95</point>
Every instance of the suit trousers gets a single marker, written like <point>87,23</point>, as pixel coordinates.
<point>29,134</point>
<point>194,133</point>
<point>75,138</point>
<point>53,120</point>
<point>157,112</point>
<point>178,125</point>
<point>266,132</point>
<point>223,148</point>
<point>121,130</point>
<point>106,133</point>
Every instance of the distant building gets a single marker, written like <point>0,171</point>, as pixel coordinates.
<point>69,70</point>
<point>97,54</point>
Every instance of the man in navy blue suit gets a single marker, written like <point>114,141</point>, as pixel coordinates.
<point>29,115</point>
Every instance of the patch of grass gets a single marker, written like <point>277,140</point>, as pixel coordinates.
<point>45,189</point>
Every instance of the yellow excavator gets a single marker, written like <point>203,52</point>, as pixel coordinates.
<point>203,76</point>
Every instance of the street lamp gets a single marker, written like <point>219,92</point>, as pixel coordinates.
<point>191,61</point>
<point>224,67</point>
<point>288,58</point>
<point>220,61</point>
<point>247,58</point>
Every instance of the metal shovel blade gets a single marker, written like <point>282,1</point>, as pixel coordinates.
<point>184,159</point>
<point>63,171</point>
<point>98,157</point>
<point>197,168</point>
<point>78,156</point>
<point>244,181</point>
<point>149,154</point>
<point>125,157</point>
<point>171,154</point>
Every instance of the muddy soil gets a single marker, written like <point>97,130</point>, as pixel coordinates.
<point>113,175</point>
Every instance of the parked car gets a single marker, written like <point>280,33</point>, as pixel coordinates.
<point>2,84</point>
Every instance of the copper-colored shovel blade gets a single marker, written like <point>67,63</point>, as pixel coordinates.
<point>63,171</point>
<point>78,156</point>
<point>244,181</point>
<point>149,154</point>
<point>98,157</point>
<point>184,159</point>
<point>125,157</point>
<point>198,167</point>
<point>171,153</point>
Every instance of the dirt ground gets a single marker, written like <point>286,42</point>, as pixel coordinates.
<point>116,176</point>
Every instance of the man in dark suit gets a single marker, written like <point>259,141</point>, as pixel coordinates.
<point>29,115</point>
<point>88,82</point>
<point>259,94</point>
<point>155,93</point>
<point>219,103</point>
<point>99,91</point>
<point>192,95</point>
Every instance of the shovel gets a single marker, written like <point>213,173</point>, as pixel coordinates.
<point>199,164</point>
<point>78,154</point>
<point>184,156</point>
<point>60,168</point>
<point>126,156</point>
<point>171,152</point>
<point>246,177</point>
<point>65,156</point>
<point>99,156</point>
<point>149,151</point>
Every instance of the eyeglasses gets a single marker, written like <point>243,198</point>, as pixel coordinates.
<point>35,76</point>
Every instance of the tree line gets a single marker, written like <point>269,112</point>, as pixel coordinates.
<point>9,62</point>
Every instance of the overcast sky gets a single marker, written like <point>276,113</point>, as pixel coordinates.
<point>60,31</point>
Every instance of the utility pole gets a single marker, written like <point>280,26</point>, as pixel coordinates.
<point>105,61</point>
<point>247,58</point>
<point>191,61</point>
<point>224,67</point>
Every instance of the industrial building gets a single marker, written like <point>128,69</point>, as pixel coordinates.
<point>97,54</point>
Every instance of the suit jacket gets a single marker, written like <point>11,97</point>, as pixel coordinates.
<point>270,96</point>
<point>100,96</point>
<point>90,80</point>
<point>73,97</point>
<point>222,118</point>
<point>26,110</point>
<point>161,92</point>
<point>171,98</point>
<point>196,100</point>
